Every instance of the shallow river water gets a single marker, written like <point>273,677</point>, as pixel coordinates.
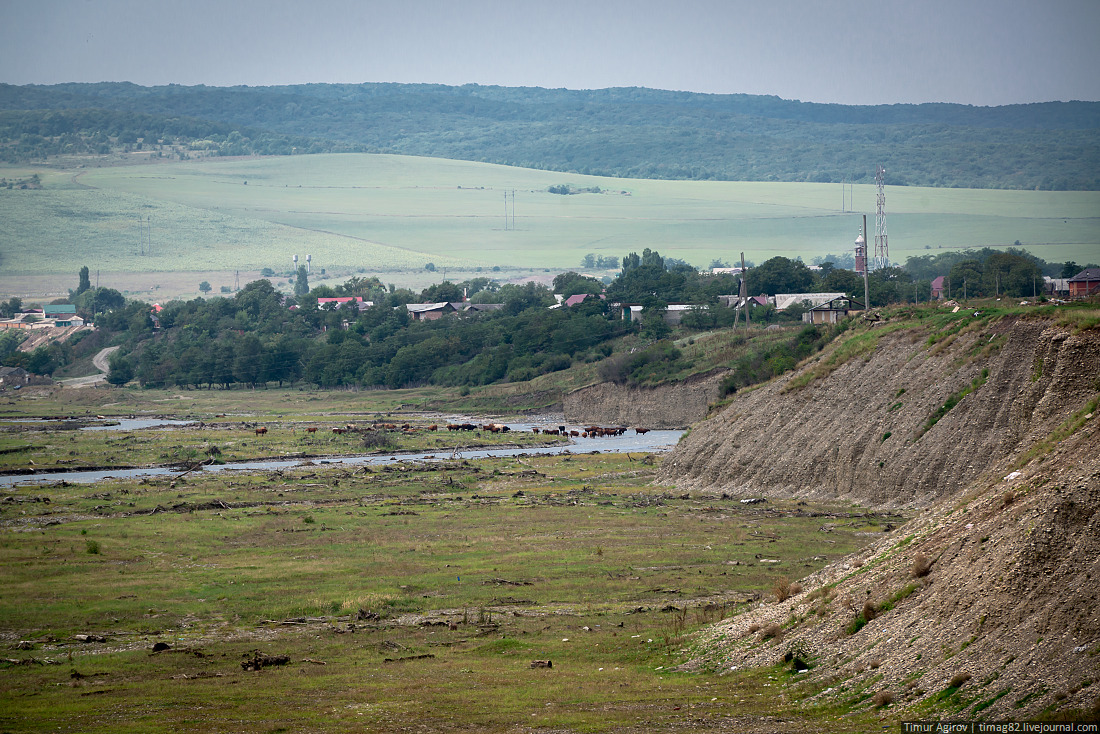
<point>654,441</point>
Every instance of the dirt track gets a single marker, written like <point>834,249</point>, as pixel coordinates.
<point>101,362</point>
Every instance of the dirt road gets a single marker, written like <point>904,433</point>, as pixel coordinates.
<point>102,363</point>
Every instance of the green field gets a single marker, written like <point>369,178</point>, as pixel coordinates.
<point>406,597</point>
<point>383,213</point>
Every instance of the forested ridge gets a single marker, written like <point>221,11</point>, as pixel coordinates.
<point>631,132</point>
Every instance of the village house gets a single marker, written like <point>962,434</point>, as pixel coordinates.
<point>938,288</point>
<point>832,311</point>
<point>429,311</point>
<point>1085,283</point>
<point>338,302</point>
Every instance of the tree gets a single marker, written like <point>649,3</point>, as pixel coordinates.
<point>780,275</point>
<point>121,370</point>
<point>301,282</point>
<point>85,281</point>
<point>430,267</point>
<point>205,287</point>
<point>1070,269</point>
<point>570,284</point>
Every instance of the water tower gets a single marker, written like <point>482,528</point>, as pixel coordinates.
<point>308,259</point>
<point>861,254</point>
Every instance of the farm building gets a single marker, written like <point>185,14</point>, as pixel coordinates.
<point>832,311</point>
<point>429,311</point>
<point>786,300</point>
<point>12,376</point>
<point>1085,283</point>
<point>61,310</point>
<point>481,307</point>
<point>1055,286</point>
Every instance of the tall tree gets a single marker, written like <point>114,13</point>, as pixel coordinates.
<point>85,281</point>
<point>301,282</point>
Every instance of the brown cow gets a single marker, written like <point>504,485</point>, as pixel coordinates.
<point>261,431</point>
<point>641,431</point>
<point>311,429</point>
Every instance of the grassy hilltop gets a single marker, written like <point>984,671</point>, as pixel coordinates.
<point>389,213</point>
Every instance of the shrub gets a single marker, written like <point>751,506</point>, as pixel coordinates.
<point>782,589</point>
<point>922,564</point>
<point>868,611</point>
<point>771,630</point>
<point>958,680</point>
<point>883,698</point>
<point>795,589</point>
<point>1008,497</point>
<point>377,440</point>
<point>92,547</point>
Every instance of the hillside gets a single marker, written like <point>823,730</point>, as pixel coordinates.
<point>857,431</point>
<point>637,133</point>
<point>984,606</point>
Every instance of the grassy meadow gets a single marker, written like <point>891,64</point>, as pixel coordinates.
<point>384,213</point>
<point>411,597</point>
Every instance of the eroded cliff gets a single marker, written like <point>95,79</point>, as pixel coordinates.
<point>863,429</point>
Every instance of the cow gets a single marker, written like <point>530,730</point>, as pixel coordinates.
<point>641,431</point>
<point>261,431</point>
<point>311,429</point>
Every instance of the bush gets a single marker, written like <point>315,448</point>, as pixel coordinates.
<point>868,611</point>
<point>377,440</point>
<point>771,630</point>
<point>782,589</point>
<point>958,680</point>
<point>922,564</point>
<point>92,547</point>
<point>883,698</point>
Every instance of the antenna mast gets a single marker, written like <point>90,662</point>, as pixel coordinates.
<point>882,247</point>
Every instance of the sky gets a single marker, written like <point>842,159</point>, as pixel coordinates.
<point>979,52</point>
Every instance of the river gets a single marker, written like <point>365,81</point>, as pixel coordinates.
<point>653,441</point>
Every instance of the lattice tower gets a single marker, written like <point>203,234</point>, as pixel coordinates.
<point>882,247</point>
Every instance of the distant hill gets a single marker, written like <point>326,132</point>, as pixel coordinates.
<point>633,132</point>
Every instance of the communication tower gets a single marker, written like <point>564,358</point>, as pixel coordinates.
<point>882,247</point>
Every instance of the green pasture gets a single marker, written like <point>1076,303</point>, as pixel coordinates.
<point>404,597</point>
<point>384,213</point>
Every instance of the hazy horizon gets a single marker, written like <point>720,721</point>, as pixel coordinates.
<point>861,52</point>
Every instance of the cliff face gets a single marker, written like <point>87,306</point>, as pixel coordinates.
<point>666,406</point>
<point>861,432</point>
<point>986,605</point>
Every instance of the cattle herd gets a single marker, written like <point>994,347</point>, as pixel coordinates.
<point>408,428</point>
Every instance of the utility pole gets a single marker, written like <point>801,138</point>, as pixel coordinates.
<point>745,288</point>
<point>866,263</point>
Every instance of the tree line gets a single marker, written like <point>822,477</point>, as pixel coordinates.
<point>259,336</point>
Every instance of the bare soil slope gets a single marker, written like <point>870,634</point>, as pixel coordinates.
<point>1009,609</point>
<point>860,431</point>
<point>986,606</point>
